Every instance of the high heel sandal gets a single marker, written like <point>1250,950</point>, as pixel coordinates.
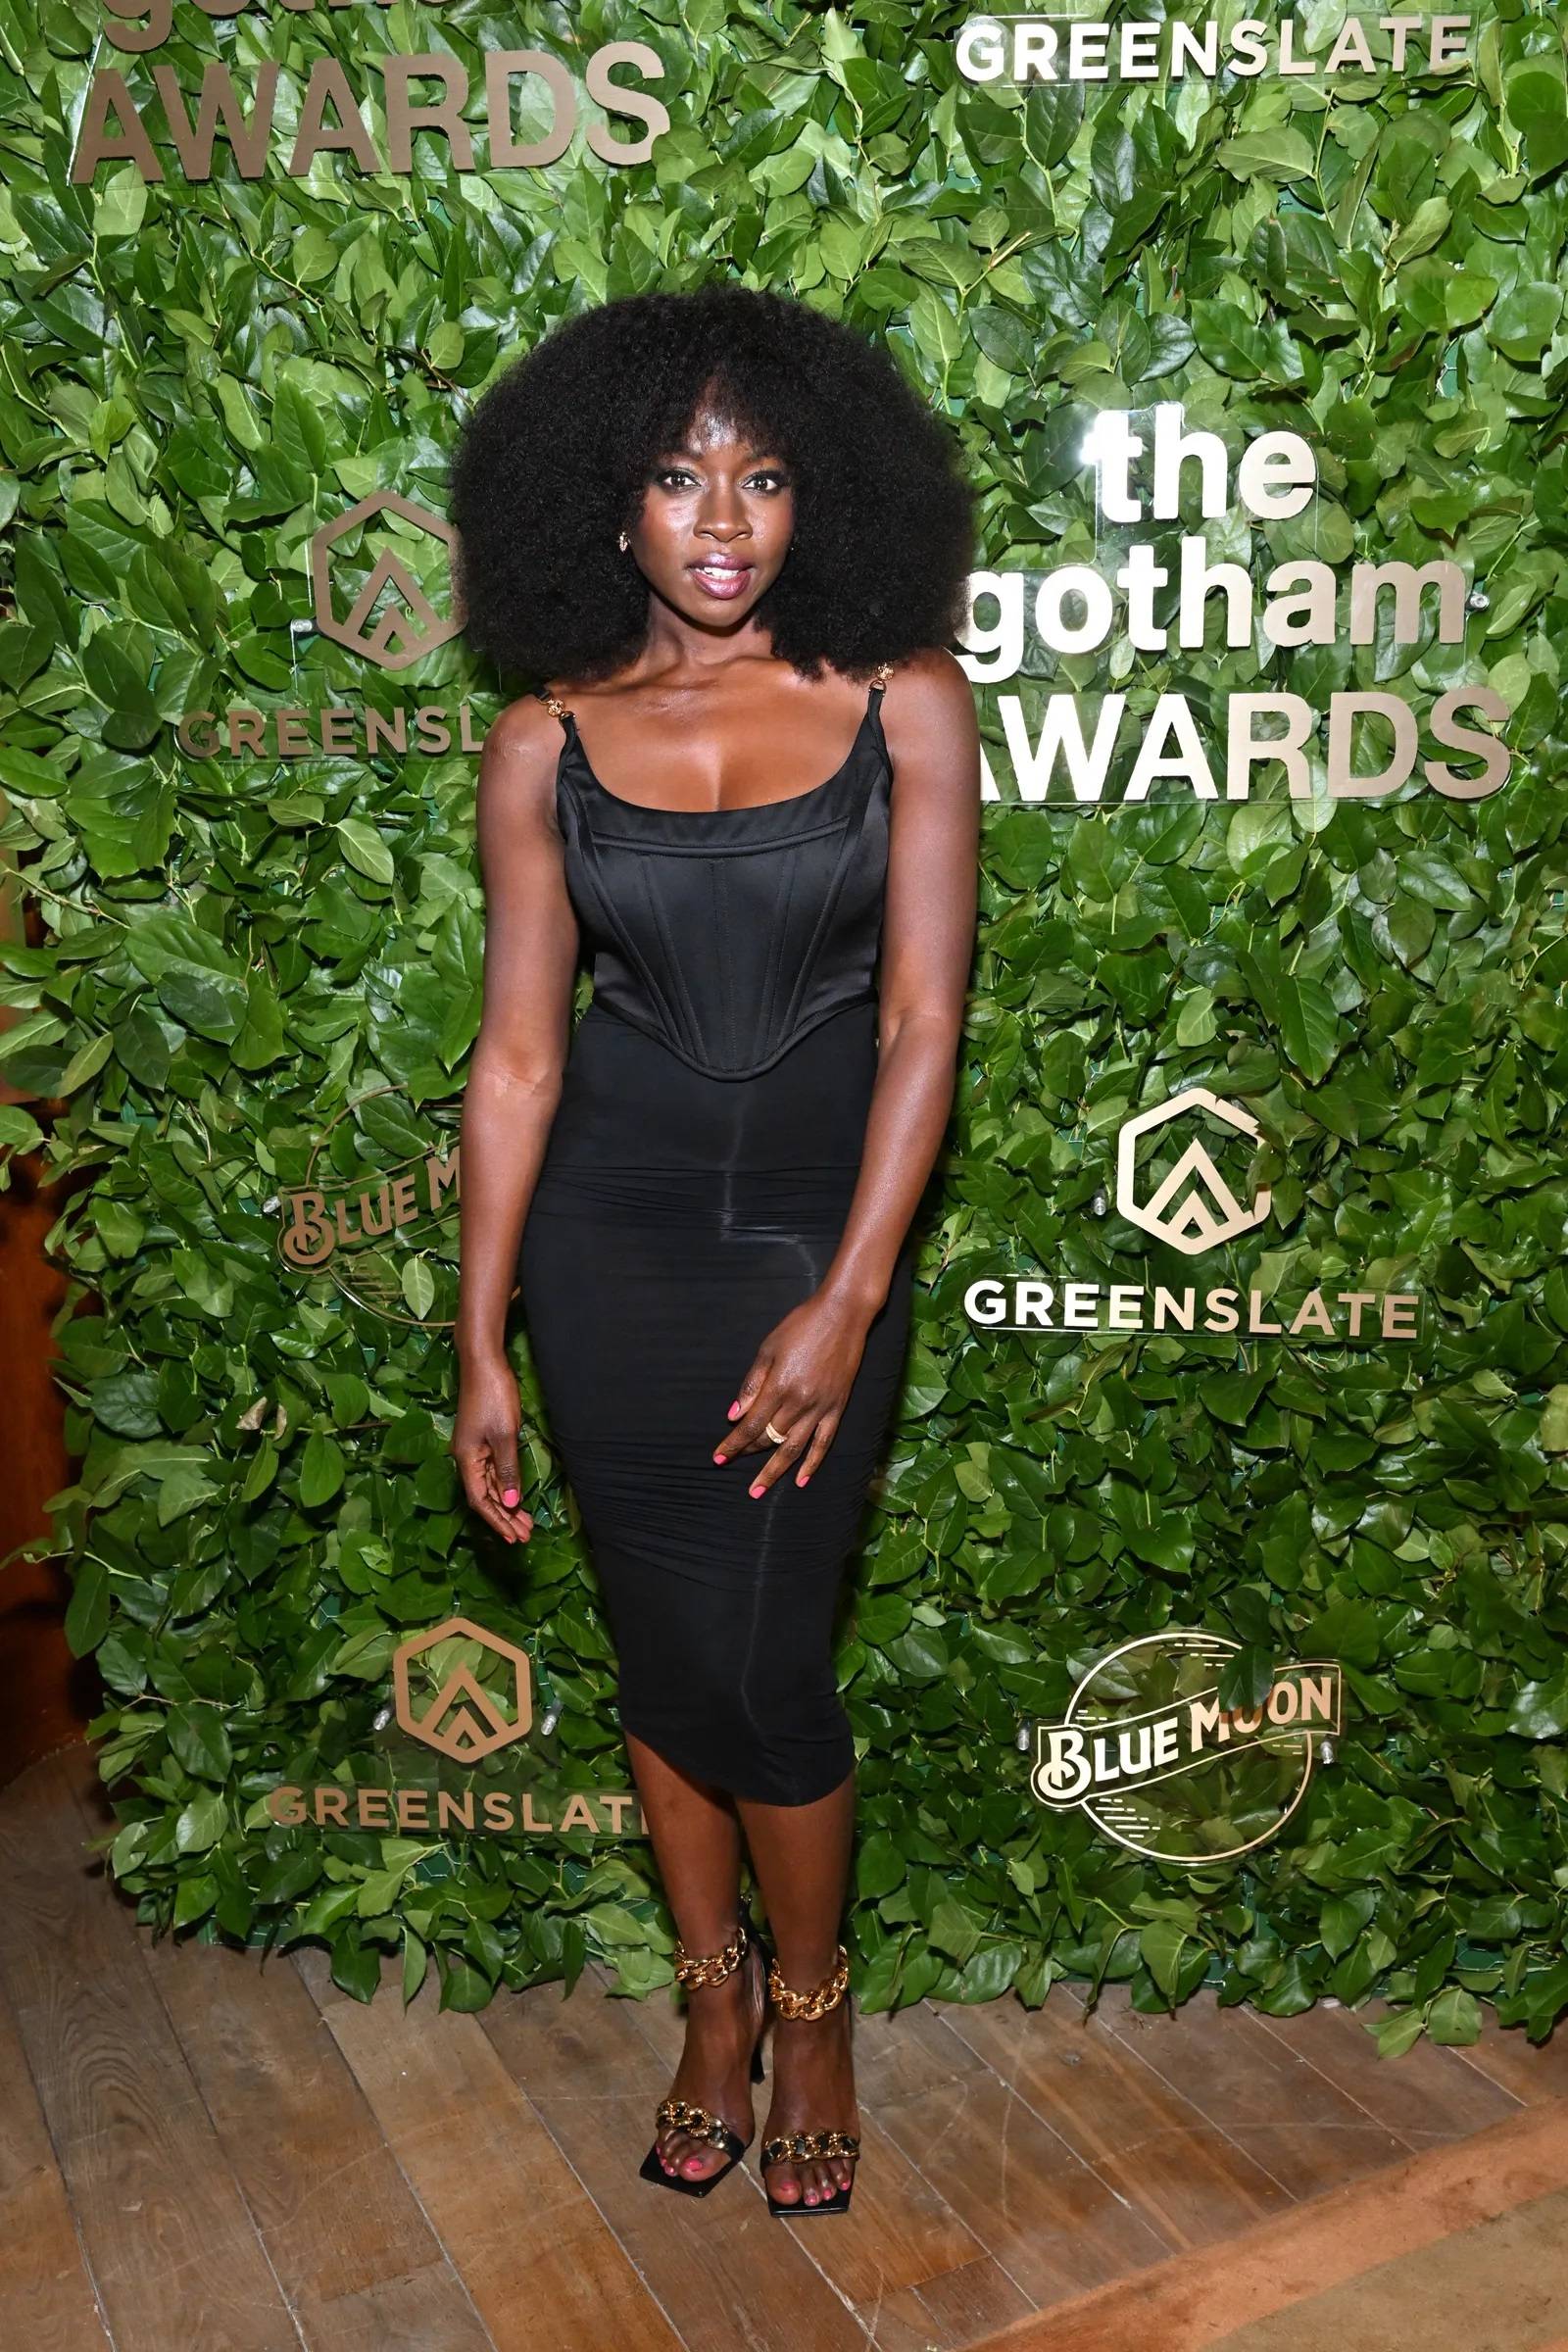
<point>683,2115</point>
<point>807,2147</point>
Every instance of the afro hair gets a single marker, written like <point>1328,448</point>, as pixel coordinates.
<point>554,459</point>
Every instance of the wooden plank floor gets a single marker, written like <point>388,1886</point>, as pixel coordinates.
<point>202,2152</point>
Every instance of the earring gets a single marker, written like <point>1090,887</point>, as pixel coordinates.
<point>625,543</point>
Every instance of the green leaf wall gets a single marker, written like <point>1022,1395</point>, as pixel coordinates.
<point>195,378</point>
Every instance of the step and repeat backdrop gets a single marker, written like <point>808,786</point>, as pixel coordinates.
<point>1211,1624</point>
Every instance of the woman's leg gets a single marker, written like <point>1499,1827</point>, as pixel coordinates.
<point>695,1840</point>
<point>802,1856</point>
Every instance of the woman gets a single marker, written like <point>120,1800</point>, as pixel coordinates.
<point>735,543</point>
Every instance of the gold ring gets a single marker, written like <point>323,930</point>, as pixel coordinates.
<point>777,1435</point>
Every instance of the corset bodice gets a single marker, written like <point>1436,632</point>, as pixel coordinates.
<point>729,934</point>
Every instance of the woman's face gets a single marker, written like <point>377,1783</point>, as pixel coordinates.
<point>716,521</point>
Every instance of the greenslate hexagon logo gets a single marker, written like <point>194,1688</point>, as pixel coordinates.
<point>391,618</point>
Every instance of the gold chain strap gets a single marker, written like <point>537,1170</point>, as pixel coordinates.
<point>819,2001</point>
<point>713,1967</point>
<point>698,2123</point>
<point>882,673</point>
<point>802,2147</point>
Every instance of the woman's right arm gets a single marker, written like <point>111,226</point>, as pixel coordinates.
<point>530,959</point>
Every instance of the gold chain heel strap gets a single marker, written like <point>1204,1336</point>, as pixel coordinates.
<point>807,2147</point>
<point>684,2115</point>
<point>713,1967</point>
<point>819,2001</point>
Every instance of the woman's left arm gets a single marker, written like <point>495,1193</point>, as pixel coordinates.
<point>804,1370</point>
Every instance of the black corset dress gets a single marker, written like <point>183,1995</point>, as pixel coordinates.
<point>698,1176</point>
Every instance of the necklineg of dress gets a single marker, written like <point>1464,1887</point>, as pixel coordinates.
<point>747,808</point>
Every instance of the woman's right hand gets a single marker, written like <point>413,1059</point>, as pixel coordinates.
<point>484,1446</point>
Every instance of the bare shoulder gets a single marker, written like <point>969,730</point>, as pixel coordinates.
<point>928,717</point>
<point>522,750</point>
<point>526,734</point>
<point>928,695</point>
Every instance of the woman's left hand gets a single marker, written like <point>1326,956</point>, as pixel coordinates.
<point>800,1382</point>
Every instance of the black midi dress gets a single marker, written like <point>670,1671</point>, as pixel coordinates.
<point>695,1182</point>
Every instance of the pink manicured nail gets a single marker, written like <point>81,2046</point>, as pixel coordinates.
<point>756,1489</point>
<point>719,1458</point>
<point>804,1478</point>
<point>511,1498</point>
<point>733,1411</point>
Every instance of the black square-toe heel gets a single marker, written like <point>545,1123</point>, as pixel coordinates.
<point>801,2147</point>
<point>806,2147</point>
<point>684,2115</point>
<point>681,2116</point>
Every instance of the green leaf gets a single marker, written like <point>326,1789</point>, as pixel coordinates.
<point>1275,154</point>
<point>1309,1025</point>
<point>194,1897</point>
<point>1397,2034</point>
<point>20,1131</point>
<point>262,1037</point>
<point>322,1913</point>
<point>418,1285</point>
<point>26,1035</point>
<point>919,1653</point>
<point>1525,320</point>
<point>322,1469</point>
<point>463,1989</point>
<point>447,345</point>
<point>180,1491</point>
<point>1344,1917</point>
<point>1453,2018</point>
<point>364,849</point>
<point>87,1614</point>
<point>29,776</point>
<point>925,1383</point>
<point>935,328</point>
<point>200,1739</point>
<point>201,1822</point>
<point>356,1967</point>
<point>953,1931</point>
<point>1162,1943</point>
<point>1535,103</point>
<point>1426,224</point>
<point>1007,340</point>
<point>1052,114</point>
<point>879,1866</point>
<point>1540,1710</point>
<point>86,1061</point>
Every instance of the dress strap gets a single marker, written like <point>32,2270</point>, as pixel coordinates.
<point>881,674</point>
